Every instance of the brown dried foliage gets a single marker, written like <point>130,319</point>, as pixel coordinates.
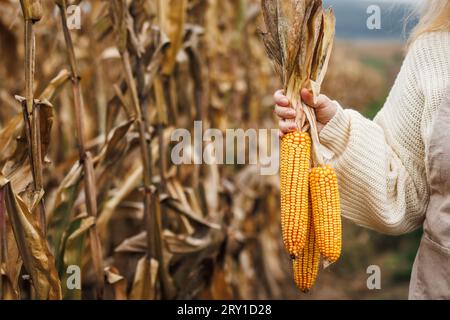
<point>88,149</point>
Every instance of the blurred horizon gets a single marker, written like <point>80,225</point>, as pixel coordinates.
<point>352,18</point>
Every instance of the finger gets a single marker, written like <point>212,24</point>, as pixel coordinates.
<point>284,113</point>
<point>281,99</point>
<point>307,97</point>
<point>287,127</point>
<point>280,134</point>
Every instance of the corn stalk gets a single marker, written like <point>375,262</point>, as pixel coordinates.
<point>32,13</point>
<point>152,208</point>
<point>31,238</point>
<point>85,156</point>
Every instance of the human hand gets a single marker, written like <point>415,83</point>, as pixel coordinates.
<point>324,108</point>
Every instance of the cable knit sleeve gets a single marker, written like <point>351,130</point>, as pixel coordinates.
<point>381,164</point>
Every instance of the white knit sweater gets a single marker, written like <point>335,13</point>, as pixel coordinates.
<point>381,164</point>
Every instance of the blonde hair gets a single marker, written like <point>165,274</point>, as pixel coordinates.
<point>434,16</point>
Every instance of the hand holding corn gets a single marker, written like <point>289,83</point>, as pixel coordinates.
<point>325,109</point>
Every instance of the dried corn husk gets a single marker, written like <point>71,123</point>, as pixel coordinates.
<point>299,39</point>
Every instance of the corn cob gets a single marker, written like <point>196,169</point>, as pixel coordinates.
<point>294,171</point>
<point>306,264</point>
<point>326,212</point>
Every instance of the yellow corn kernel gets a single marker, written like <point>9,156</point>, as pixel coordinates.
<point>306,264</point>
<point>326,212</point>
<point>295,158</point>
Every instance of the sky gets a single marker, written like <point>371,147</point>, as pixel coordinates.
<point>352,16</point>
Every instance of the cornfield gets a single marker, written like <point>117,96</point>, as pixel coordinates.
<point>86,179</point>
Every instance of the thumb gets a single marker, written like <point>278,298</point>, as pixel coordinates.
<point>320,102</point>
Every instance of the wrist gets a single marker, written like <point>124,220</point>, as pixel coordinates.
<point>335,134</point>
<point>333,108</point>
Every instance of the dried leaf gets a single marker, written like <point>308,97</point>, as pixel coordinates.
<point>55,85</point>
<point>85,225</point>
<point>324,54</point>
<point>136,244</point>
<point>9,136</point>
<point>144,284</point>
<point>10,262</point>
<point>181,244</point>
<point>118,283</point>
<point>133,178</point>
<point>33,248</point>
<point>172,16</point>
<point>271,37</point>
<point>171,203</point>
<point>118,13</point>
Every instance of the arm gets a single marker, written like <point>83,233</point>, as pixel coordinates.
<point>378,189</point>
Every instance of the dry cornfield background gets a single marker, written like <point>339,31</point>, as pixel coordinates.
<point>86,178</point>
